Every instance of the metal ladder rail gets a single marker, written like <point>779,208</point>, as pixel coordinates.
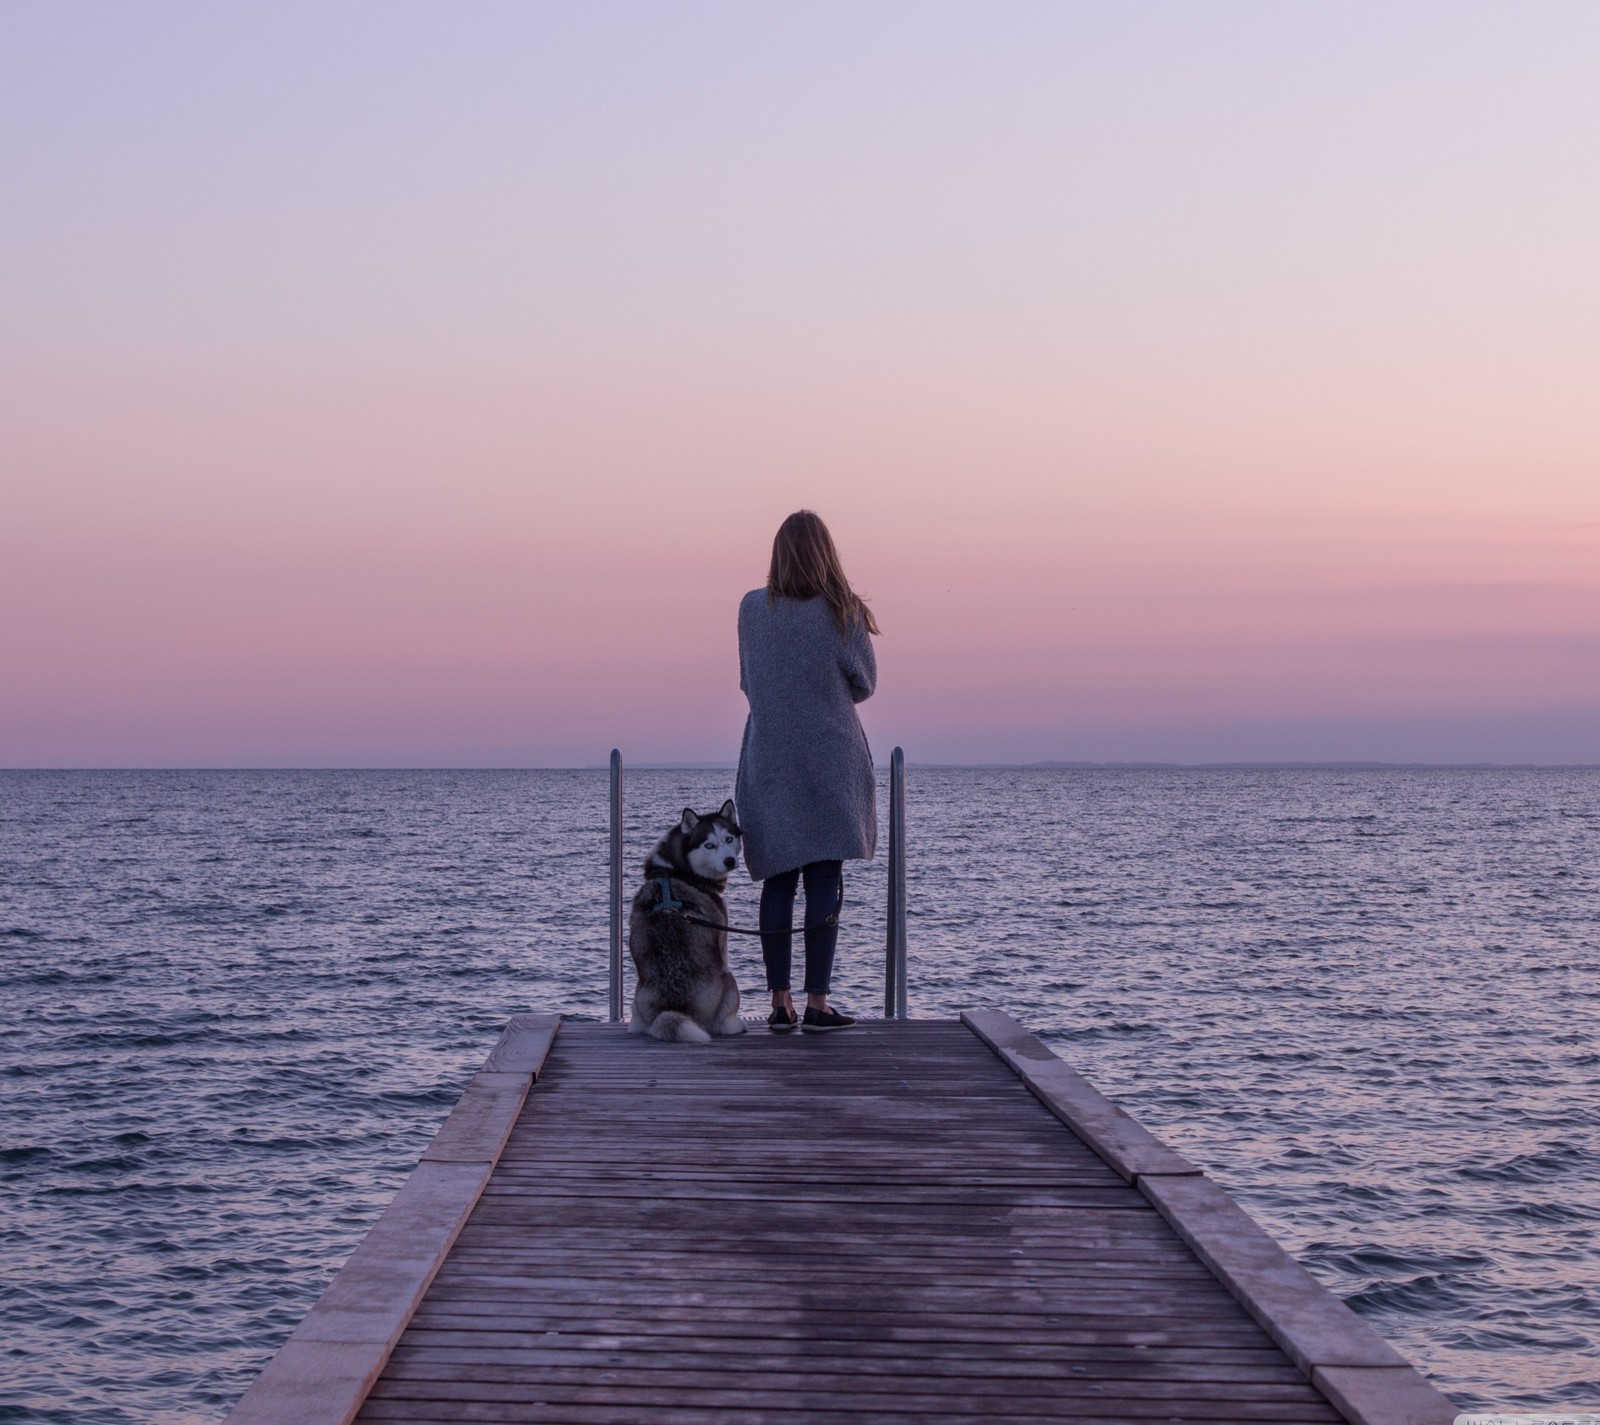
<point>616,886</point>
<point>894,955</point>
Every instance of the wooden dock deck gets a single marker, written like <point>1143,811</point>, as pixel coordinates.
<point>912,1221</point>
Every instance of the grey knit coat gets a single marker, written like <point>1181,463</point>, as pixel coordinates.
<point>806,790</point>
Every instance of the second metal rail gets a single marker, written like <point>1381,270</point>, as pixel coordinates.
<point>894,956</point>
<point>616,885</point>
<point>894,962</point>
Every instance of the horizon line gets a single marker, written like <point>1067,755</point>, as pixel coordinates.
<point>1371,765</point>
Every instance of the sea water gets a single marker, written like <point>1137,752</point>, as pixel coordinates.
<point>237,1005</point>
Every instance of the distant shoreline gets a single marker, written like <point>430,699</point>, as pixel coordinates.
<point>1053,766</point>
<point>1048,766</point>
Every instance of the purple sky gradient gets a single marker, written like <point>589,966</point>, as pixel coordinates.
<point>395,384</point>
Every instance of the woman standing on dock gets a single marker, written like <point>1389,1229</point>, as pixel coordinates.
<point>806,790</point>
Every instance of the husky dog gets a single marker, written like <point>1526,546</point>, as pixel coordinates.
<point>686,990</point>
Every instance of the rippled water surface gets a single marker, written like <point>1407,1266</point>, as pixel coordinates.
<point>237,1006</point>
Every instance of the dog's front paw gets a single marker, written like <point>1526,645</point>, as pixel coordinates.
<point>731,1025</point>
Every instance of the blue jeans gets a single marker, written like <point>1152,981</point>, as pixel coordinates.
<point>824,898</point>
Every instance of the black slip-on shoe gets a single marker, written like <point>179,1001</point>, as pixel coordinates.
<point>781,1020</point>
<point>822,1021</point>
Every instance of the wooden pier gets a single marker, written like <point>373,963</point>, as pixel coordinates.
<point>912,1221</point>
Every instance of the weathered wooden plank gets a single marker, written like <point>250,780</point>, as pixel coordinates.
<point>413,1380</point>
<point>861,1293</point>
<point>797,1161</point>
<point>476,1131</point>
<point>1168,1297</point>
<point>1067,1248</point>
<point>800,1413</point>
<point>528,1267</point>
<point>1118,1405</point>
<point>658,1190</point>
<point>909,1133</point>
<point>689,1215</point>
<point>755,1373</point>
<point>1168,1343</point>
<point>1098,1362</point>
<point>524,1046</point>
<point>783,1170</point>
<point>806,1326</point>
<point>569,1309</point>
<point>896,1245</point>
<point>1383,1395</point>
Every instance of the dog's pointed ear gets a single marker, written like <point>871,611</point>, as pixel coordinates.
<point>727,812</point>
<point>690,820</point>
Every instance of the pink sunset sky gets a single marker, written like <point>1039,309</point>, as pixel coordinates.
<point>399,384</point>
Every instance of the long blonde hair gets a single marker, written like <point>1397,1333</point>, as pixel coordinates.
<point>806,564</point>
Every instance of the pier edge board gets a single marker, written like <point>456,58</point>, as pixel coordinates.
<point>1357,1371</point>
<point>322,1374</point>
<point>1120,1139</point>
<point>1383,1395</point>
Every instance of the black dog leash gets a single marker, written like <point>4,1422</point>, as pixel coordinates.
<point>673,906</point>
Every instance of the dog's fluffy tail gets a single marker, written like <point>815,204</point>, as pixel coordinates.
<point>670,1024</point>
